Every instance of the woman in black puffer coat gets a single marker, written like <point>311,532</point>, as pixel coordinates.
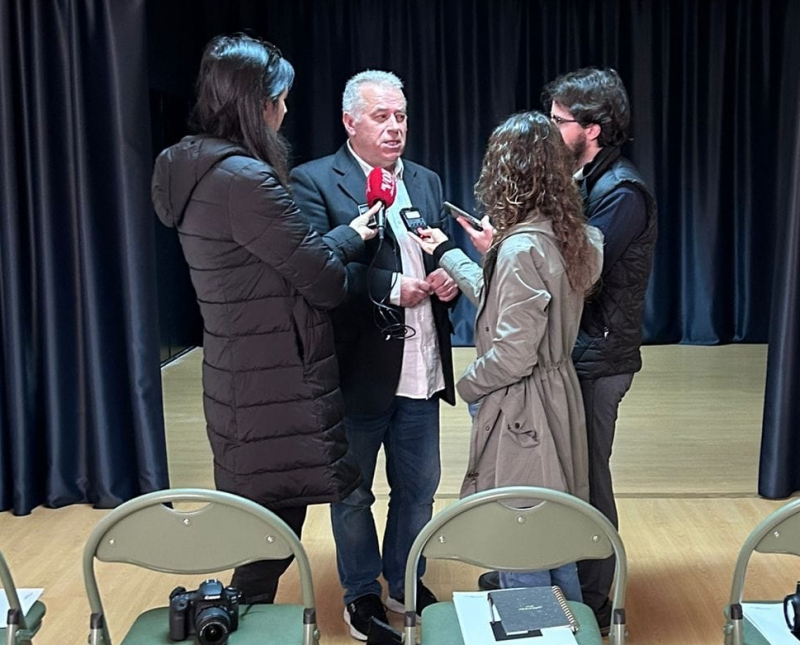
<point>263,281</point>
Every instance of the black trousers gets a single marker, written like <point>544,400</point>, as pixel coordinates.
<point>258,581</point>
<point>601,399</point>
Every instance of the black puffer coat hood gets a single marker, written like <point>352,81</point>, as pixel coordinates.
<point>180,168</point>
<point>263,281</point>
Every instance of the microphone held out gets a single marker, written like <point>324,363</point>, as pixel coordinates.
<point>381,187</point>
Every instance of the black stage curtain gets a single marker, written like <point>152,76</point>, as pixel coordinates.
<point>710,83</point>
<point>80,392</point>
<point>714,90</point>
<point>779,470</point>
<point>704,79</point>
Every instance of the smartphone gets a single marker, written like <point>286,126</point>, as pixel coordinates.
<point>413,219</point>
<point>457,212</point>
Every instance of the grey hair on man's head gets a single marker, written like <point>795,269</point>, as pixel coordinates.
<point>352,103</point>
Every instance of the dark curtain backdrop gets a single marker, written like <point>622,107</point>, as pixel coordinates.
<point>779,472</point>
<point>80,393</point>
<point>714,90</point>
<point>704,80</point>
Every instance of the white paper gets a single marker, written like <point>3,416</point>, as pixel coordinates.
<point>26,599</point>
<point>768,619</point>
<point>475,613</point>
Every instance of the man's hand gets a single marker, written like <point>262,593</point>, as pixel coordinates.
<point>413,291</point>
<point>481,240</point>
<point>442,284</point>
<point>360,223</point>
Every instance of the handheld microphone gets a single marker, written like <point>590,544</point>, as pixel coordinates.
<point>381,187</point>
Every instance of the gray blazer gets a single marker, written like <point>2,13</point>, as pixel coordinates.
<point>530,429</point>
<point>328,192</point>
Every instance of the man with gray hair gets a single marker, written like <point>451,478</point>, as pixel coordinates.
<point>392,345</point>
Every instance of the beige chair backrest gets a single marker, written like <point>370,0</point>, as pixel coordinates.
<point>779,532</point>
<point>517,528</point>
<point>225,532</point>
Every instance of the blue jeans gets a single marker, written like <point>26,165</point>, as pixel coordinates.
<point>565,576</point>
<point>409,434</point>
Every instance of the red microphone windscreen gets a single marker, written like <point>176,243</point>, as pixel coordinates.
<point>381,187</point>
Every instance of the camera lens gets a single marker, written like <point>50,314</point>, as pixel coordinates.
<point>213,634</point>
<point>213,626</point>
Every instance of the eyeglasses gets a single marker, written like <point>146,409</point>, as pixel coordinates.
<point>558,120</point>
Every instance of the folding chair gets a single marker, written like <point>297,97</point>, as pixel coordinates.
<point>779,532</point>
<point>21,626</point>
<point>227,532</point>
<point>518,528</point>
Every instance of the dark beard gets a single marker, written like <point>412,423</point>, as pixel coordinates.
<point>578,150</point>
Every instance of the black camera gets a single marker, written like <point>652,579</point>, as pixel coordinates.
<point>211,613</point>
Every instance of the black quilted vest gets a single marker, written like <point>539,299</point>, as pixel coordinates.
<point>611,326</point>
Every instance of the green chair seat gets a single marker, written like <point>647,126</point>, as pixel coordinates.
<point>440,625</point>
<point>33,617</point>
<point>515,528</point>
<point>779,532</point>
<point>752,636</point>
<point>35,614</point>
<point>272,624</point>
<point>751,633</point>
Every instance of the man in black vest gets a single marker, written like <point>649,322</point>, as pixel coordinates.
<point>591,108</point>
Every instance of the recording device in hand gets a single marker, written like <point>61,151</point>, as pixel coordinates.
<point>211,613</point>
<point>381,187</point>
<point>456,212</point>
<point>793,617</point>
<point>413,220</point>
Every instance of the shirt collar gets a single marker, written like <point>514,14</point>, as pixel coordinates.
<point>398,166</point>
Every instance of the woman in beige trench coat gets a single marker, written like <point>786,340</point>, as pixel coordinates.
<point>543,259</point>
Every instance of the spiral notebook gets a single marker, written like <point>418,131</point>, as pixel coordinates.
<point>527,609</point>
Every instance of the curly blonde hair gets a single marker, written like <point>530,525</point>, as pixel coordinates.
<point>526,176</point>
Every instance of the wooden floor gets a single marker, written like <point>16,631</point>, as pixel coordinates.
<point>685,467</point>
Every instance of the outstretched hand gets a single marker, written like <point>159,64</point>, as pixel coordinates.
<point>481,240</point>
<point>361,223</point>
<point>429,238</point>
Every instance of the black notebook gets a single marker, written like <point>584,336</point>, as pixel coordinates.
<point>523,610</point>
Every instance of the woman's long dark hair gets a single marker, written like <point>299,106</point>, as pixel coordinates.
<point>238,76</point>
<point>526,177</point>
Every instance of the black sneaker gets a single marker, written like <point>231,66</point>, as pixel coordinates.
<point>489,581</point>
<point>382,634</point>
<point>357,615</point>
<point>425,597</point>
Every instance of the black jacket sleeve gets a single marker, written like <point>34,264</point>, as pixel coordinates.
<point>266,221</point>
